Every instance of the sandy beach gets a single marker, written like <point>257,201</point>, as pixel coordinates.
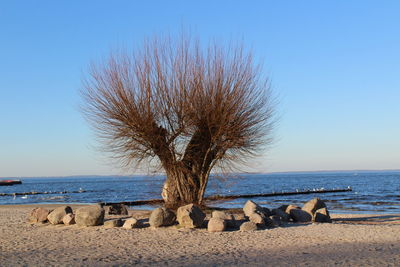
<point>351,240</point>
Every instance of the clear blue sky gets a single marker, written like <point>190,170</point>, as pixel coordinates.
<point>334,64</point>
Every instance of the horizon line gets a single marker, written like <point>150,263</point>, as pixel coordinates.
<point>156,174</point>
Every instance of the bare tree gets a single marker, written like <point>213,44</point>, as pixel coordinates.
<point>183,107</point>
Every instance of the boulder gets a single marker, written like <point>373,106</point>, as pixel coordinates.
<point>113,223</point>
<point>257,218</point>
<point>216,225</point>
<point>248,226</point>
<point>251,207</point>
<point>284,217</point>
<point>290,207</point>
<point>116,209</point>
<point>299,215</point>
<point>131,223</point>
<point>162,217</point>
<point>38,215</point>
<point>283,207</point>
<point>322,216</point>
<point>69,219</point>
<point>190,216</point>
<point>227,217</point>
<point>89,216</point>
<point>313,205</point>
<point>276,220</point>
<point>57,215</point>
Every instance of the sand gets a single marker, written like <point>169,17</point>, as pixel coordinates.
<point>351,240</point>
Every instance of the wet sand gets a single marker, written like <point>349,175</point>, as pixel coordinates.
<point>351,240</point>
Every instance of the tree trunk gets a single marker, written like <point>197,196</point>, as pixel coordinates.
<point>183,187</point>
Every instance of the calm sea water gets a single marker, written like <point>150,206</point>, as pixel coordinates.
<point>372,191</point>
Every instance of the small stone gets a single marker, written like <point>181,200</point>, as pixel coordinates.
<point>190,216</point>
<point>228,218</point>
<point>69,219</point>
<point>216,225</point>
<point>38,215</point>
<point>57,215</point>
<point>113,223</point>
<point>131,223</point>
<point>248,226</point>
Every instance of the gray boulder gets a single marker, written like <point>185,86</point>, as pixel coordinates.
<point>299,215</point>
<point>276,220</point>
<point>57,215</point>
<point>322,216</point>
<point>284,217</point>
<point>162,217</point>
<point>227,217</point>
<point>38,215</point>
<point>89,216</point>
<point>190,216</point>
<point>131,223</point>
<point>257,218</point>
<point>69,219</point>
<point>251,207</point>
<point>248,226</point>
<point>113,223</point>
<point>116,209</point>
<point>313,205</point>
<point>216,225</point>
<point>291,207</point>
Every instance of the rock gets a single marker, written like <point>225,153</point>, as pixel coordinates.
<point>283,207</point>
<point>216,225</point>
<point>257,218</point>
<point>162,217</point>
<point>89,216</point>
<point>38,215</point>
<point>299,215</point>
<point>229,218</point>
<point>266,211</point>
<point>251,207</point>
<point>113,223</point>
<point>131,223</point>
<point>57,215</point>
<point>116,209</point>
<point>190,216</point>
<point>322,216</point>
<point>276,220</point>
<point>313,205</point>
<point>290,207</point>
<point>248,226</point>
<point>69,219</point>
<point>284,217</point>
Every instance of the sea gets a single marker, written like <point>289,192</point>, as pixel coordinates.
<point>372,191</point>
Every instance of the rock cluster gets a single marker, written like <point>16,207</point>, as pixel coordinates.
<point>188,216</point>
